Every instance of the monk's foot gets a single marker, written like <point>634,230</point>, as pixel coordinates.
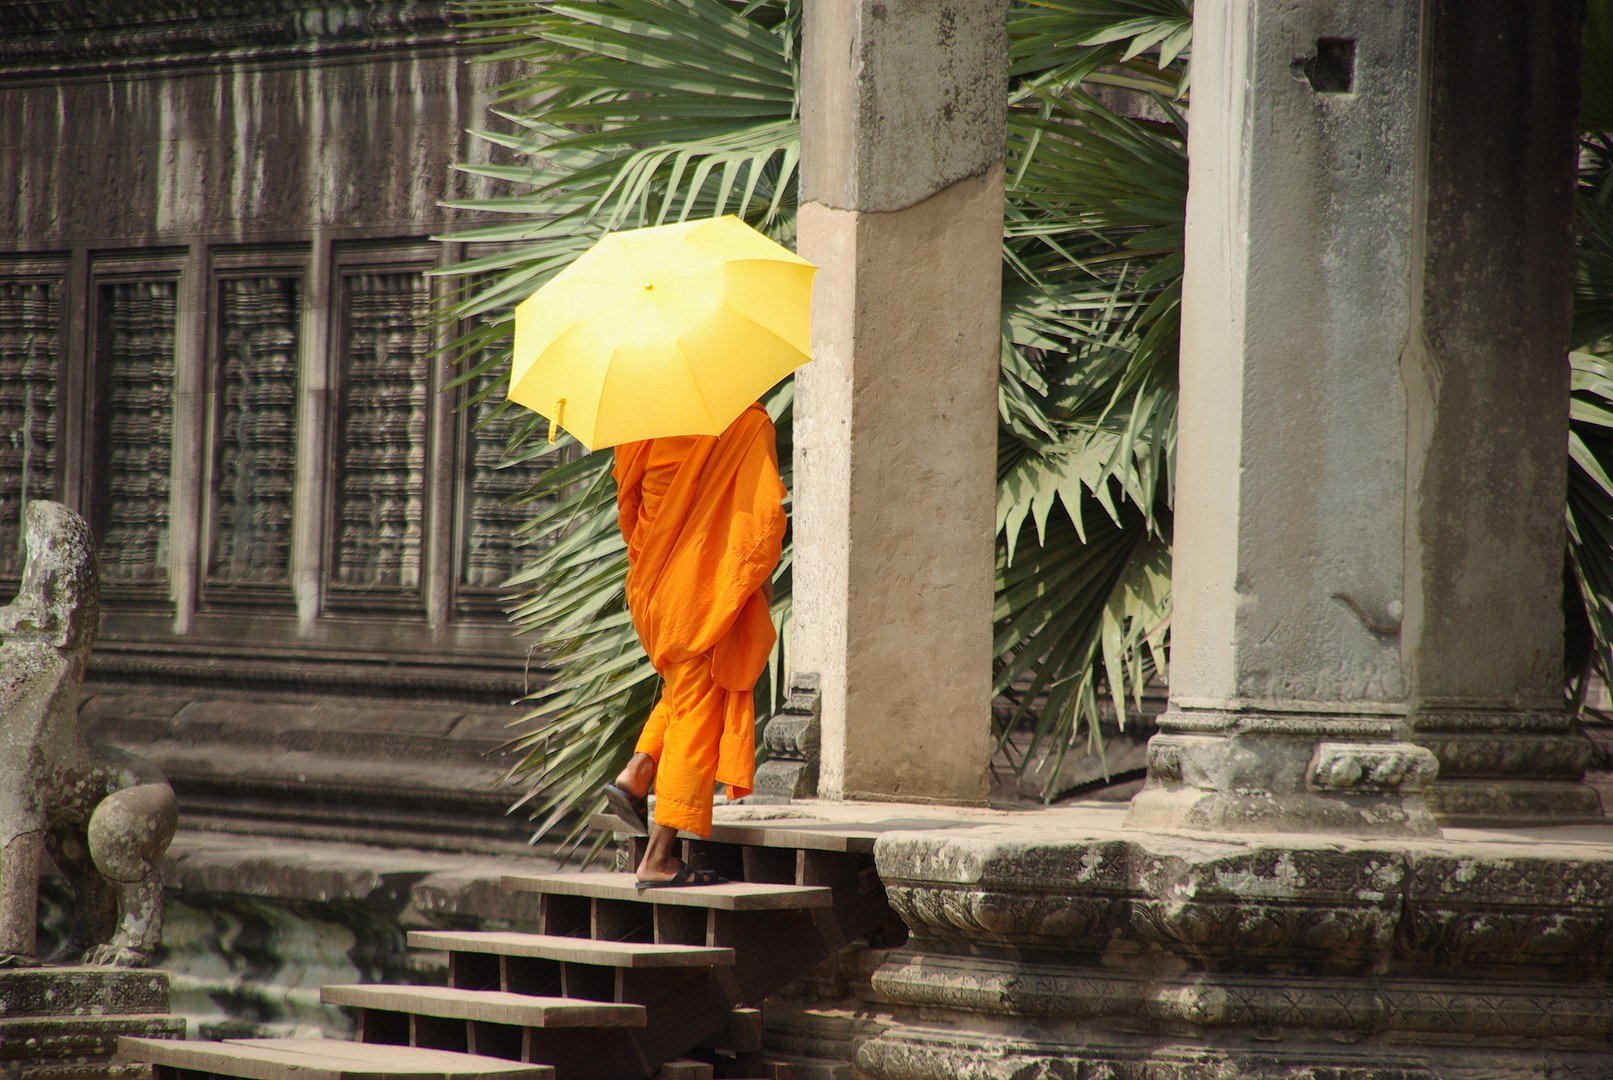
<point>636,778</point>
<point>682,874</point>
<point>659,869</point>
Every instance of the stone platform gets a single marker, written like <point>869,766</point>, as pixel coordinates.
<point>63,1023</point>
<point>1058,943</point>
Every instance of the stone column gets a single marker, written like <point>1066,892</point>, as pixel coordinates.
<point>903,112</point>
<point>1369,519</point>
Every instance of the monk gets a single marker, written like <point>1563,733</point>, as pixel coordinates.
<point>703,518</point>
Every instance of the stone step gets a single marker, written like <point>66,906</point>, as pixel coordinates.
<point>324,1059</point>
<point>734,896</point>
<point>39,1039</point>
<point>491,1006</point>
<point>69,991</point>
<point>571,950</point>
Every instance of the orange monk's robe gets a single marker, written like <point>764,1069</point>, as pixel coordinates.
<point>703,518</point>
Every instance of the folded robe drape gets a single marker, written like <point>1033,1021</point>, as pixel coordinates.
<point>703,518</point>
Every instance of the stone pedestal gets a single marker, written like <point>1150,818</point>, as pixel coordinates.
<point>1136,956</point>
<point>895,418</point>
<point>63,1023</point>
<point>1374,400</point>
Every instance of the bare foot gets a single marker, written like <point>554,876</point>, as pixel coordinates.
<point>660,860</point>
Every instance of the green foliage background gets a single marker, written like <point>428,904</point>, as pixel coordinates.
<point>636,112</point>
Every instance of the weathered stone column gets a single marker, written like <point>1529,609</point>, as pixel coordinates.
<point>903,111</point>
<point>1369,520</point>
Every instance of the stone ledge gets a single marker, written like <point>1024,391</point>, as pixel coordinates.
<point>57,37</point>
<point>921,1052</point>
<point>1320,1008</point>
<point>1138,955</point>
<point>419,889</point>
<point>1406,907</point>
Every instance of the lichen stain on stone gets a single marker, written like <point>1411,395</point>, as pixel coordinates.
<point>1283,878</point>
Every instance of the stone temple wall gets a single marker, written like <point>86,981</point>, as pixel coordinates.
<point>216,341</point>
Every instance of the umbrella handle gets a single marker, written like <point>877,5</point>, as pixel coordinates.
<point>554,421</point>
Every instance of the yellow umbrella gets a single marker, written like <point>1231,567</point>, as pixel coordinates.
<point>669,330</point>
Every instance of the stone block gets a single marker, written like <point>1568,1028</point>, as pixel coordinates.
<point>78,1072</point>
<point>81,991</point>
<point>38,1039</point>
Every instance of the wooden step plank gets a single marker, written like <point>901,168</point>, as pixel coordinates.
<point>571,950</point>
<point>358,1053</point>
<point>806,834</point>
<point>734,896</point>
<point>493,1006</point>
<point>307,1059</point>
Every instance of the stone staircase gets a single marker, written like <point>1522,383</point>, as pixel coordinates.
<point>618,982</point>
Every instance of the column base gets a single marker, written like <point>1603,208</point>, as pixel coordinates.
<point>1507,766</point>
<point>1233,772</point>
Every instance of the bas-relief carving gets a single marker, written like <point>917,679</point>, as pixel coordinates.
<point>1364,767</point>
<point>1113,949</point>
<point>137,340</point>
<point>30,357</point>
<point>104,816</point>
<point>491,516</point>
<point>252,488</point>
<point>381,486</point>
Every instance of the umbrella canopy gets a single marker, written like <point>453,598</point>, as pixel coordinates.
<point>669,330</point>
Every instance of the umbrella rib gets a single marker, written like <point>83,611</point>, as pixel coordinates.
<point>711,419</point>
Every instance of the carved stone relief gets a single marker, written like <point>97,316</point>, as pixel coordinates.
<point>30,359</point>
<point>255,440</point>
<point>380,499</point>
<point>136,342</point>
<point>1352,956</point>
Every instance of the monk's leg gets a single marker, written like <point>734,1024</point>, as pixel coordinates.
<point>686,770</point>
<point>637,775</point>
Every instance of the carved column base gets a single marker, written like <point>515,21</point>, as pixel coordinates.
<point>791,741</point>
<point>1144,956</point>
<point>1225,772</point>
<point>1507,766</point>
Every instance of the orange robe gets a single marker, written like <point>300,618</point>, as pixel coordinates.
<point>703,518</point>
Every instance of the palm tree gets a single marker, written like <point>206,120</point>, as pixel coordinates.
<point>635,112</point>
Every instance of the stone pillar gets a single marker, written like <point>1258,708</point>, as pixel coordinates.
<point>1369,518</point>
<point>903,112</point>
<point>1487,384</point>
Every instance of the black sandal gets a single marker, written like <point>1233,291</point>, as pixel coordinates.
<point>686,876</point>
<point>634,813</point>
